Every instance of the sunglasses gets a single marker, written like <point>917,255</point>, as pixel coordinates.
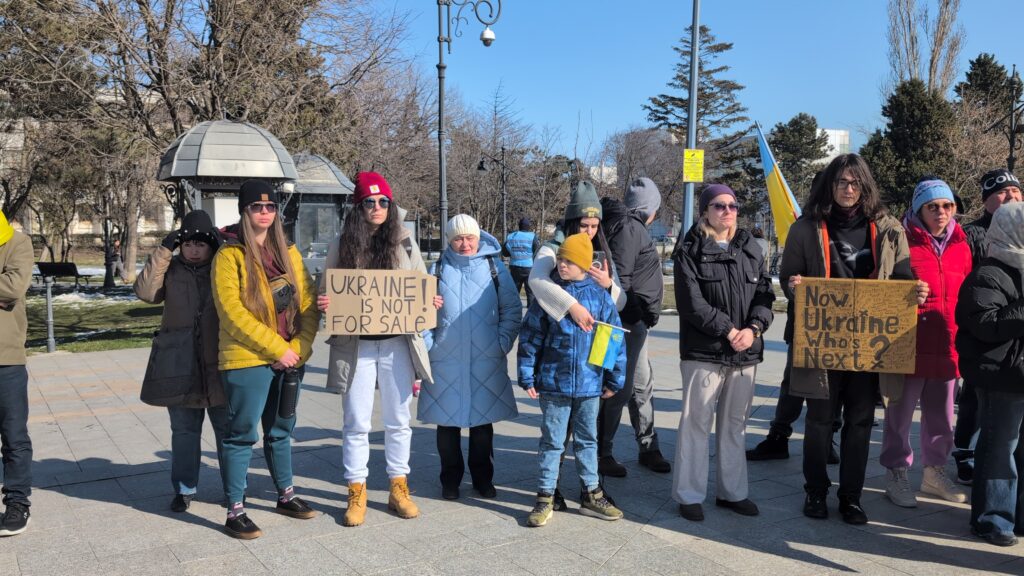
<point>935,207</point>
<point>731,207</point>
<point>371,203</point>
<point>258,207</point>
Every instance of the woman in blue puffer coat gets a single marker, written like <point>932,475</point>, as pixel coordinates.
<point>476,328</point>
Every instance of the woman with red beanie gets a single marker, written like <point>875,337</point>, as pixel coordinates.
<point>373,238</point>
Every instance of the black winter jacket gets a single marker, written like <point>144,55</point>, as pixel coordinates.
<point>718,290</point>
<point>637,262</point>
<point>990,317</point>
<point>976,232</point>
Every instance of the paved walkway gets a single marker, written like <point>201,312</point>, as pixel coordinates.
<point>103,489</point>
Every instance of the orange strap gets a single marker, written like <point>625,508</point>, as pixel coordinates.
<point>828,254</point>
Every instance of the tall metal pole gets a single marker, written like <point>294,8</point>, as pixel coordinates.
<point>442,133</point>
<point>691,118</point>
<point>504,199</point>
<point>1014,97</point>
<point>51,344</point>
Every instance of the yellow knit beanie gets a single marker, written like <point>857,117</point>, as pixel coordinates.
<point>578,249</point>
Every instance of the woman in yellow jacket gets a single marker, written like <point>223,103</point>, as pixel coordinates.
<point>268,319</point>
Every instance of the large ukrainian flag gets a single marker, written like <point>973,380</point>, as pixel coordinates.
<point>785,210</point>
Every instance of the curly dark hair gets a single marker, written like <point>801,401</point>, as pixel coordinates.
<point>820,201</point>
<point>361,249</point>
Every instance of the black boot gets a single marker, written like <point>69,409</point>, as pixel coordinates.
<point>774,447</point>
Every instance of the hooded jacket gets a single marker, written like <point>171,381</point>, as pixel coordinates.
<point>718,289</point>
<point>16,255</point>
<point>245,340</point>
<point>976,232</point>
<point>936,321</point>
<point>476,328</point>
<point>186,292</point>
<point>636,261</point>
<point>553,355</point>
<point>990,314</point>
<point>805,255</point>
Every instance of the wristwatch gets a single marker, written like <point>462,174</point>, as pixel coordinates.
<point>756,329</point>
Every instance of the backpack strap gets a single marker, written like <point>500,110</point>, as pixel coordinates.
<point>494,275</point>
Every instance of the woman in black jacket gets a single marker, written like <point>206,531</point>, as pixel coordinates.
<point>990,315</point>
<point>724,302</point>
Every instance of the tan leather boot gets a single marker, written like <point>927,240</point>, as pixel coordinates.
<point>399,500</point>
<point>356,512</point>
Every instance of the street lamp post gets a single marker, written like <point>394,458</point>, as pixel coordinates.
<point>500,162</point>
<point>1014,126</point>
<point>446,26</point>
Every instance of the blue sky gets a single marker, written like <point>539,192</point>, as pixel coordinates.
<point>591,64</point>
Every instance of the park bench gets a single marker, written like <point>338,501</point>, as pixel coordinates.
<point>60,270</point>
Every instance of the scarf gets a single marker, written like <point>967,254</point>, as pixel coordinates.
<point>939,243</point>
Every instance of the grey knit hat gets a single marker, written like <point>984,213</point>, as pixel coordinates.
<point>584,202</point>
<point>643,196</point>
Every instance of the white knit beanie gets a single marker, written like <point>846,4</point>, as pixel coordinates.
<point>459,225</point>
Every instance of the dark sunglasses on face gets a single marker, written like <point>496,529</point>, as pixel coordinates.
<point>935,207</point>
<point>725,207</point>
<point>371,203</point>
<point>257,207</point>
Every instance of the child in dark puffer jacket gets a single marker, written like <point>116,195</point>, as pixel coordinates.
<point>553,367</point>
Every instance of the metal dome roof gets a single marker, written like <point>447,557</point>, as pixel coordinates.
<point>225,149</point>
<point>318,175</point>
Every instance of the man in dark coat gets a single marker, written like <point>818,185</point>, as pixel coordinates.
<point>639,267</point>
<point>998,187</point>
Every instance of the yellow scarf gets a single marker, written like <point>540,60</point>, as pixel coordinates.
<point>6,231</point>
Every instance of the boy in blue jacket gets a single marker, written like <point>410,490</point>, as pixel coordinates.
<point>553,367</point>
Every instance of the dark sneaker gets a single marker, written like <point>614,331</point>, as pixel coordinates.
<point>964,472</point>
<point>996,538</point>
<point>558,501</point>
<point>242,528</point>
<point>181,502</point>
<point>596,505</point>
<point>296,508</point>
<point>833,454</point>
<point>851,511</point>
<point>692,512</point>
<point>542,511</point>
<point>583,494</point>
<point>815,507</point>
<point>609,466</point>
<point>744,507</point>
<point>450,492</point>
<point>774,447</point>
<point>655,462</point>
<point>15,519</point>
<point>486,491</point>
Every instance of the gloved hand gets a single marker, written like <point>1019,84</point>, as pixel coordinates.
<point>172,240</point>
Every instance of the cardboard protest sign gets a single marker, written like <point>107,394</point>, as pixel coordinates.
<point>379,302</point>
<point>856,325</point>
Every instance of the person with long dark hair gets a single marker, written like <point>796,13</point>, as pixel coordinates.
<point>373,238</point>
<point>268,319</point>
<point>844,232</point>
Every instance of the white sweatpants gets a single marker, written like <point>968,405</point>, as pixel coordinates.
<point>720,392</point>
<point>386,363</point>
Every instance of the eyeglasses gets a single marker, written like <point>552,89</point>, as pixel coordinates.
<point>257,207</point>
<point>935,207</point>
<point>843,183</point>
<point>371,203</point>
<point>725,207</point>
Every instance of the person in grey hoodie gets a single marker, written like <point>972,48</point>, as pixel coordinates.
<point>639,267</point>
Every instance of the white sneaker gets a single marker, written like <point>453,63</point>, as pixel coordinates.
<point>936,482</point>
<point>897,488</point>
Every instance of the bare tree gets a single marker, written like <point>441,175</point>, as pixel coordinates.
<point>945,40</point>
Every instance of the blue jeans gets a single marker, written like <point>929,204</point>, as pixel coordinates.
<point>557,411</point>
<point>997,501</point>
<point>253,395</point>
<point>15,444</point>
<point>187,446</point>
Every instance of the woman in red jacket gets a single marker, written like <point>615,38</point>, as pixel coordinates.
<point>940,256</point>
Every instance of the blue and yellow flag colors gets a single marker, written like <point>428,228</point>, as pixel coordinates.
<point>785,210</point>
<point>607,343</point>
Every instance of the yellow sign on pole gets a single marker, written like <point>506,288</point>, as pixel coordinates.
<point>693,165</point>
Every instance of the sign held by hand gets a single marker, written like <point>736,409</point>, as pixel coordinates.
<point>380,302</point>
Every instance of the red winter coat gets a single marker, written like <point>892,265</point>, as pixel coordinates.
<point>936,321</point>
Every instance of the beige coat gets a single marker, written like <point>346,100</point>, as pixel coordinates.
<point>805,256</point>
<point>345,349</point>
<point>15,276</point>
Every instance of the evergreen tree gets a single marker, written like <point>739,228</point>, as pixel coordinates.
<point>799,147</point>
<point>988,84</point>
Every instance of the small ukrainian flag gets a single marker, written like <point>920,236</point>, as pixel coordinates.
<point>606,345</point>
